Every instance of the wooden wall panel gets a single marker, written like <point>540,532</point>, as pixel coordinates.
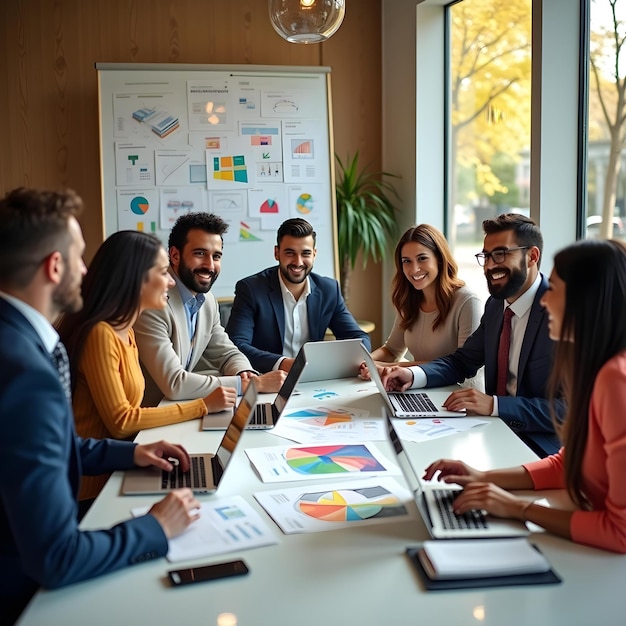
<point>48,86</point>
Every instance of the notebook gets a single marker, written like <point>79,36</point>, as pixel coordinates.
<point>329,360</point>
<point>266,414</point>
<point>207,470</point>
<point>413,403</point>
<point>434,502</point>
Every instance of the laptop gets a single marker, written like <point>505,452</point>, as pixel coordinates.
<point>434,502</point>
<point>410,404</point>
<point>329,360</point>
<point>266,414</point>
<point>207,470</point>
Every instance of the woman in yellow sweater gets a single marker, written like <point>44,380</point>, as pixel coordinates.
<point>128,274</point>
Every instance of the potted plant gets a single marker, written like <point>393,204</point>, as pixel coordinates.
<point>365,216</point>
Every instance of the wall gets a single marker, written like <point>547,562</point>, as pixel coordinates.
<point>48,88</point>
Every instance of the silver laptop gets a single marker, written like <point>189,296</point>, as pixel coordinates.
<point>434,503</point>
<point>266,414</point>
<point>407,404</point>
<point>329,360</point>
<point>207,470</point>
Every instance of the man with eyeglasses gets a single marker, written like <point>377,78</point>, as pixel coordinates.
<point>518,361</point>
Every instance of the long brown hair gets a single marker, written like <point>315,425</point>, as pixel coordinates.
<point>406,299</point>
<point>593,331</point>
<point>111,288</point>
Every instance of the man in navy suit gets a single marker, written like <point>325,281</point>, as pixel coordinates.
<point>41,457</point>
<point>511,256</point>
<point>283,307</point>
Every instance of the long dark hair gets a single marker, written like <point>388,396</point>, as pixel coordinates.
<point>592,332</point>
<point>406,299</point>
<point>111,288</point>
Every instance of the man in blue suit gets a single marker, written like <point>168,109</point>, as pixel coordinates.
<point>511,256</point>
<point>41,457</point>
<point>283,307</point>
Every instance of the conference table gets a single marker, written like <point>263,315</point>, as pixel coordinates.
<point>350,576</point>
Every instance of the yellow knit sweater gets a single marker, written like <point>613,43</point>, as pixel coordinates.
<point>108,394</point>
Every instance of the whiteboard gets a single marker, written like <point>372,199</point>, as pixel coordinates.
<point>252,144</point>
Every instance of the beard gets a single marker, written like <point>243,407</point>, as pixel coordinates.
<point>188,278</point>
<point>67,297</point>
<point>294,280</point>
<point>517,278</point>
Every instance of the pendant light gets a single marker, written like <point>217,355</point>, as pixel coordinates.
<point>306,21</point>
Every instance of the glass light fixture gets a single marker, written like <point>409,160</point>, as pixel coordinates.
<point>306,21</point>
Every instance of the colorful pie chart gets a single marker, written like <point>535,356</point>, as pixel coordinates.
<point>339,459</point>
<point>139,205</point>
<point>350,505</point>
<point>304,203</point>
<point>269,206</point>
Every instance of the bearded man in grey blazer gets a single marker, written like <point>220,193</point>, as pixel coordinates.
<point>184,350</point>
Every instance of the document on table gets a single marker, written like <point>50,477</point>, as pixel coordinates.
<point>225,525</point>
<point>330,506</point>
<point>427,428</point>
<point>344,460</point>
<point>480,558</point>
<point>330,424</point>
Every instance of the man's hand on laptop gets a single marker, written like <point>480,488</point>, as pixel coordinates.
<point>396,378</point>
<point>471,400</point>
<point>286,364</point>
<point>265,383</point>
<point>176,511</point>
<point>159,453</point>
<point>220,399</point>
<point>364,372</point>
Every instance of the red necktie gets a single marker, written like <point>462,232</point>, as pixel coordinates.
<point>503,353</point>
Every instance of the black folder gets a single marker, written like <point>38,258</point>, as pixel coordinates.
<point>545,578</point>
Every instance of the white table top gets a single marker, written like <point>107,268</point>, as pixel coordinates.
<point>344,577</point>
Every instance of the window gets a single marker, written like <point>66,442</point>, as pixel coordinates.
<point>606,156</point>
<point>489,82</point>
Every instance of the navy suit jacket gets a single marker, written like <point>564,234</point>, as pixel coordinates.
<point>257,320</point>
<point>41,464</point>
<point>528,412</point>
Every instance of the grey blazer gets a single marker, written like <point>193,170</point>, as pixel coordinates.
<point>164,347</point>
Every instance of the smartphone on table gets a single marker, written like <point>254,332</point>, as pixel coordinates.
<point>205,573</point>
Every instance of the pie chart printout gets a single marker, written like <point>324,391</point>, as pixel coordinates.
<point>139,205</point>
<point>350,505</point>
<point>334,459</point>
<point>304,204</point>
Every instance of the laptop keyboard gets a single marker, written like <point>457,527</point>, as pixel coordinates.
<point>415,403</point>
<point>261,416</point>
<point>195,478</point>
<point>472,519</point>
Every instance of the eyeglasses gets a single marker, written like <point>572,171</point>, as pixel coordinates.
<point>497,256</point>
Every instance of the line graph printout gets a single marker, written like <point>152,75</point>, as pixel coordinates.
<point>330,506</point>
<point>330,424</point>
<point>296,463</point>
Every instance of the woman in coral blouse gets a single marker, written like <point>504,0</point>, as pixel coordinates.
<point>128,274</point>
<point>586,304</point>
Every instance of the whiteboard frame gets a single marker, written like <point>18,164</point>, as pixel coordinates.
<point>120,78</point>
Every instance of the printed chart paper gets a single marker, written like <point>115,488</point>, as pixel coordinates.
<point>320,507</point>
<point>427,428</point>
<point>330,424</point>
<point>294,463</point>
